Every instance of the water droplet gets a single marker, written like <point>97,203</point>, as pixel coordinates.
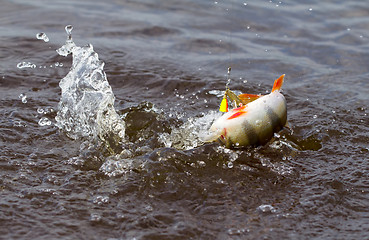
<point>94,217</point>
<point>44,121</point>
<point>26,65</point>
<point>40,111</point>
<point>42,36</point>
<point>310,9</point>
<point>149,208</point>
<point>23,97</point>
<point>333,111</point>
<point>348,29</point>
<point>67,128</point>
<point>245,4</point>
<point>266,208</point>
<point>69,29</point>
<point>230,165</point>
<point>201,163</point>
<point>315,116</point>
<point>215,2</point>
<point>19,124</point>
<point>220,181</point>
<point>101,199</point>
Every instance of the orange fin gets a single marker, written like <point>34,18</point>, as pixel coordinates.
<point>247,98</point>
<point>278,83</point>
<point>238,112</point>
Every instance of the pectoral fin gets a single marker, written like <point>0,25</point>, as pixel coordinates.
<point>288,126</point>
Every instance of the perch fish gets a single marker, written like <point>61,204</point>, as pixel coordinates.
<point>253,121</point>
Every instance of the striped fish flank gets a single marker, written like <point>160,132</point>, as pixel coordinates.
<point>253,123</point>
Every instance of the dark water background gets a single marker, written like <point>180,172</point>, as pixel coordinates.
<point>311,184</point>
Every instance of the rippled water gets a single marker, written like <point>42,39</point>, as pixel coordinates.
<point>166,62</point>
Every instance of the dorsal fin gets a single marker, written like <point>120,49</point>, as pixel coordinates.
<point>278,83</point>
<point>247,98</point>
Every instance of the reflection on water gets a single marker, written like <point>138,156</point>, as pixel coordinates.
<point>166,64</point>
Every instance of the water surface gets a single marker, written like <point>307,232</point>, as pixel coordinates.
<point>166,62</point>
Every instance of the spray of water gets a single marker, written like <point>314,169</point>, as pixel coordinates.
<point>191,134</point>
<point>86,108</point>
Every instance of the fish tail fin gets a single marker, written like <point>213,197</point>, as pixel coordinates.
<point>278,83</point>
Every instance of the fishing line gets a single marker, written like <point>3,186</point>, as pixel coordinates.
<point>224,103</point>
<point>229,11</point>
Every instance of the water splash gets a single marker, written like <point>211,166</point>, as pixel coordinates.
<point>191,133</point>
<point>69,45</point>
<point>86,108</point>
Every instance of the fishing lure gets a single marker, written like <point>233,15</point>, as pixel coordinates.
<point>253,120</point>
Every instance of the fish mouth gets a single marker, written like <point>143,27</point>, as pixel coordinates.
<point>221,139</point>
<point>209,136</point>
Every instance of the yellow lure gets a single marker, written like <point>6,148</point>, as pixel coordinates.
<point>224,105</point>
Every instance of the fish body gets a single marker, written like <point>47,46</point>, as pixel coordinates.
<point>253,123</point>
